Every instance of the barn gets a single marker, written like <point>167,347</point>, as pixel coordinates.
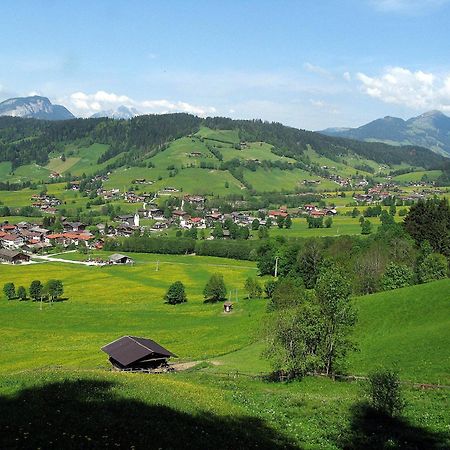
<point>117,258</point>
<point>13,256</point>
<point>133,353</point>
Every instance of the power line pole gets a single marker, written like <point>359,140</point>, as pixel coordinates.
<point>157,265</point>
<point>276,266</point>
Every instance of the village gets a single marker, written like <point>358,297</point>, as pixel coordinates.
<point>19,241</point>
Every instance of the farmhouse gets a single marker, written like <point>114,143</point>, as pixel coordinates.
<point>13,256</point>
<point>136,353</point>
<point>117,258</point>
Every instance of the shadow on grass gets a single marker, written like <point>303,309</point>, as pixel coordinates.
<point>371,430</point>
<point>86,414</point>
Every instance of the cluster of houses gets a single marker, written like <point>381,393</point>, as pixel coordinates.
<point>31,237</point>
<point>314,211</point>
<point>45,203</point>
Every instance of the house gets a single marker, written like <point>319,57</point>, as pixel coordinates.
<point>13,256</point>
<point>276,214</point>
<point>73,226</point>
<point>117,258</point>
<point>136,353</point>
<point>12,240</point>
<point>156,214</point>
<point>129,219</point>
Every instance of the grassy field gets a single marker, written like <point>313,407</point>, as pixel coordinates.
<point>110,301</point>
<point>395,327</point>
<point>341,225</point>
<point>230,136</point>
<point>417,176</point>
<point>52,366</point>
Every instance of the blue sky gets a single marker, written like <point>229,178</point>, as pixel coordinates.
<point>309,64</point>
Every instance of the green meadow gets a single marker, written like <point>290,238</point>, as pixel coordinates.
<point>52,365</point>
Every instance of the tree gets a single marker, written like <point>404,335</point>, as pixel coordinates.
<point>287,293</point>
<point>385,392</point>
<point>255,224</point>
<point>366,227</point>
<point>338,315</point>
<point>370,267</point>
<point>175,294</point>
<point>288,222</point>
<point>36,290</point>
<point>292,340</point>
<point>269,287</point>
<point>253,287</point>
<point>433,267</point>
<point>263,232</point>
<point>54,289</point>
<point>21,293</point>
<point>217,232</point>
<point>309,261</point>
<point>430,221</point>
<point>328,222</point>
<point>215,289</point>
<point>392,210</point>
<point>10,291</point>
<point>396,276</point>
<point>280,221</point>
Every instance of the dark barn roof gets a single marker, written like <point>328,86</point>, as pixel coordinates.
<point>130,349</point>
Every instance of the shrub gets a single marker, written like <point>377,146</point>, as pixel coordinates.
<point>175,294</point>
<point>21,293</point>
<point>385,392</point>
<point>269,287</point>
<point>433,267</point>
<point>253,288</point>
<point>396,276</point>
<point>10,290</point>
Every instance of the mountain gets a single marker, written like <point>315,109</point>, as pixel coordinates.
<point>431,130</point>
<point>122,112</point>
<point>34,107</point>
<point>24,141</point>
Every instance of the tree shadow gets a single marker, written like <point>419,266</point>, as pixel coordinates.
<point>370,429</point>
<point>87,414</point>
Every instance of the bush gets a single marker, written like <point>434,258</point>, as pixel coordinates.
<point>21,293</point>
<point>385,392</point>
<point>253,288</point>
<point>269,287</point>
<point>215,289</point>
<point>10,290</point>
<point>175,294</point>
<point>396,276</point>
<point>433,267</point>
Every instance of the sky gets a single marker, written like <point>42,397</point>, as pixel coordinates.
<point>308,64</point>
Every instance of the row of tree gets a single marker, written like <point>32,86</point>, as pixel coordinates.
<point>214,291</point>
<point>51,290</point>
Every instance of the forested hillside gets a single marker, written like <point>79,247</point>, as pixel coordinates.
<point>23,141</point>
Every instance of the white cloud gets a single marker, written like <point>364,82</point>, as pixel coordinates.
<point>347,76</point>
<point>84,105</point>
<point>407,6</point>
<point>318,70</point>
<point>418,90</point>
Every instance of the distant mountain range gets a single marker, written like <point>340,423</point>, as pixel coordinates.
<point>431,130</point>
<point>122,112</point>
<point>35,107</point>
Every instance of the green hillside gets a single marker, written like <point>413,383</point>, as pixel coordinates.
<point>408,328</point>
